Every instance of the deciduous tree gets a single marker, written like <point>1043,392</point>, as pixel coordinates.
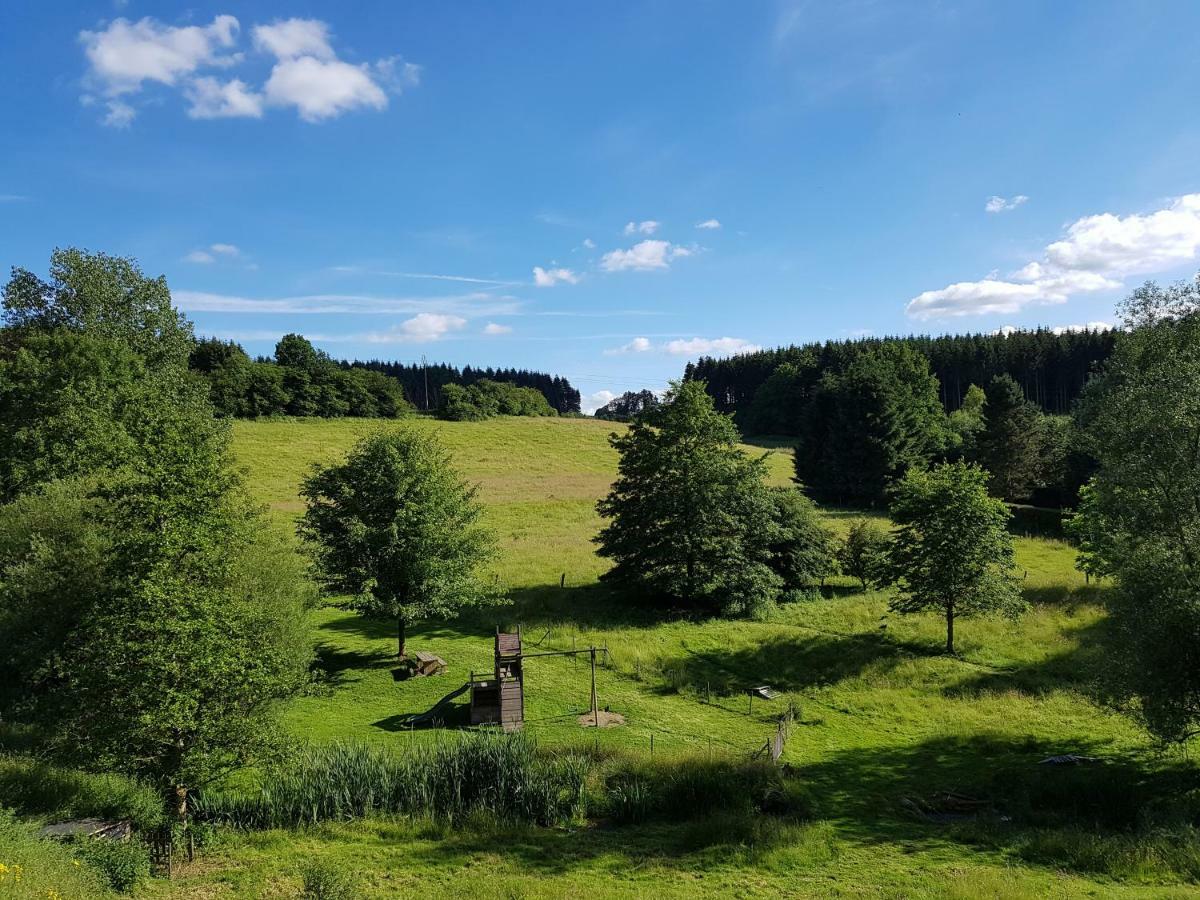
<point>951,551</point>
<point>396,527</point>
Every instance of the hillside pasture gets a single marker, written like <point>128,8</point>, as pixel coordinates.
<point>884,721</point>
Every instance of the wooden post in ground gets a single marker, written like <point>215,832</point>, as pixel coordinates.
<point>595,704</point>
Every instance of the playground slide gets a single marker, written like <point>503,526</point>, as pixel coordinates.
<point>439,709</point>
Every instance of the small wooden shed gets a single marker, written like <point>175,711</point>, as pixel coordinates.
<point>500,698</point>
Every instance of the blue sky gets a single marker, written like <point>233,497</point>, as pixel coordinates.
<point>607,190</point>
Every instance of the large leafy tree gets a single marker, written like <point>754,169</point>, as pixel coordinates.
<point>951,551</point>
<point>396,527</point>
<point>1139,518</point>
<point>128,539</point>
<point>803,552</point>
<point>689,517</point>
<point>869,424</point>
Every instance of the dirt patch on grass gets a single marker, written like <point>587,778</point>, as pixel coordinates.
<point>607,719</point>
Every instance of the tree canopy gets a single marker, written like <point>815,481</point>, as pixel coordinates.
<point>126,535</point>
<point>951,551</point>
<point>691,520</point>
<point>1139,520</point>
<point>397,528</point>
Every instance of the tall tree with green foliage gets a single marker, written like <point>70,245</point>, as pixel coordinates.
<point>1009,444</point>
<point>690,519</point>
<point>395,526</point>
<point>870,424</point>
<point>1139,519</point>
<point>128,538</point>
<point>951,551</point>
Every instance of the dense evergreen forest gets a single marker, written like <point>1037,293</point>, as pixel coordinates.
<point>1050,368</point>
<point>416,377</point>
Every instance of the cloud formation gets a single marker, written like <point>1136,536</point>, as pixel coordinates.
<point>643,257</point>
<point>647,227</point>
<point>307,75</point>
<point>637,345</point>
<point>496,328</point>
<point>709,225</point>
<point>210,253</point>
<point>1095,254</point>
<point>697,346</point>
<point>1000,204</point>
<point>551,277</point>
<point>426,327</point>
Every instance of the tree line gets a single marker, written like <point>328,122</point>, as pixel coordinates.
<point>423,383</point>
<point>300,380</point>
<point>1051,369</point>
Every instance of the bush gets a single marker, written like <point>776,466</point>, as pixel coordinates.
<point>485,399</point>
<point>324,880</point>
<point>124,864</point>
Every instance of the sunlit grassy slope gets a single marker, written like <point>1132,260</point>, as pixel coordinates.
<point>883,715</point>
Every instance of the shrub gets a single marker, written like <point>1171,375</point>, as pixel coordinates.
<point>324,880</point>
<point>124,864</point>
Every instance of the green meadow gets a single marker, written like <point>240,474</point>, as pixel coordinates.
<point>884,722</point>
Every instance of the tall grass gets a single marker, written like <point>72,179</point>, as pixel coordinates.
<point>31,867</point>
<point>689,787</point>
<point>35,788</point>
<point>501,776</point>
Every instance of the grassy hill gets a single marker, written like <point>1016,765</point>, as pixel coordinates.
<point>885,721</point>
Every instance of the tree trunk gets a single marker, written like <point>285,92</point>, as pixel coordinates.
<point>181,804</point>
<point>950,629</point>
<point>400,636</point>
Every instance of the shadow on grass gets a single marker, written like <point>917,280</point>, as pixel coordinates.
<point>790,663</point>
<point>1081,668</point>
<point>332,663</point>
<point>864,788</point>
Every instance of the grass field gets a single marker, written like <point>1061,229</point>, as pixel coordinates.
<point>884,718</point>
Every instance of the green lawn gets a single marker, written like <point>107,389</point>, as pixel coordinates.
<point>884,717</point>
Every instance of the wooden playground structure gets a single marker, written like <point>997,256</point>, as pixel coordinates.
<point>498,697</point>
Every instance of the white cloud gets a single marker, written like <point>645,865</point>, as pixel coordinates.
<point>464,305</point>
<point>1090,326</point>
<point>1095,255</point>
<point>430,326</point>
<point>637,345</point>
<point>494,328</point>
<point>322,89</point>
<point>643,257</point>
<point>307,75</point>
<point>589,243</point>
<point>1001,204</point>
<point>126,54</point>
<point>120,114</point>
<point>647,227</point>
<point>551,277</point>
<point>709,224</point>
<point>593,402</point>
<point>210,253</point>
<point>213,99</point>
<point>724,346</point>
<point>291,38</point>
